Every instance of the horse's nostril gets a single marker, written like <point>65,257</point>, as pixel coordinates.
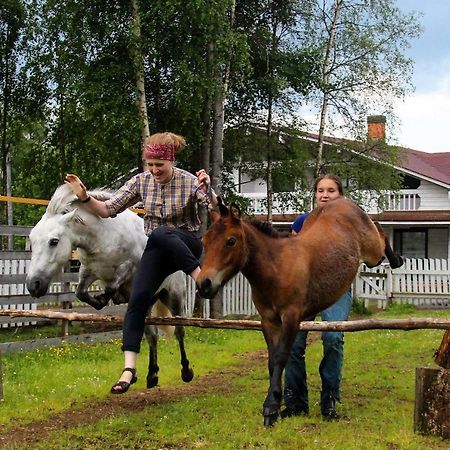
<point>207,283</point>
<point>35,288</point>
<point>204,287</point>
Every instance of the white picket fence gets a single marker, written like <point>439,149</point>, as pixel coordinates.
<point>422,282</point>
<point>236,298</point>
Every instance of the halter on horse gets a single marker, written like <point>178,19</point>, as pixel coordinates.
<point>292,277</point>
<point>109,250</point>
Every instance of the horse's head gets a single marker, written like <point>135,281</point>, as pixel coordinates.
<point>51,248</point>
<point>225,250</point>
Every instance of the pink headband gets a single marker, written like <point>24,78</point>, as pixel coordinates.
<point>160,151</point>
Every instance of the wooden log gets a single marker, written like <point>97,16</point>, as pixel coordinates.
<point>442,355</point>
<point>432,406</point>
<point>352,325</point>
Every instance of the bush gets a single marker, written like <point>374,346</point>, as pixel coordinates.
<point>359,308</point>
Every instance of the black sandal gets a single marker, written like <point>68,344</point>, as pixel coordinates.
<point>124,385</point>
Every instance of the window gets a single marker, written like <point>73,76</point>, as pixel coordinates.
<point>411,243</point>
<point>410,182</point>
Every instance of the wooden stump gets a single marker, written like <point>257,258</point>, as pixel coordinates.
<point>432,408</point>
<point>442,356</point>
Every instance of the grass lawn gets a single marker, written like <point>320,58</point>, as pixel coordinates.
<point>221,408</point>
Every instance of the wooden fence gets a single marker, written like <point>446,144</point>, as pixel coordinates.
<point>61,295</point>
<point>424,283</point>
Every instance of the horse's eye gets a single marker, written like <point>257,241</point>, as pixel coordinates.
<point>53,242</point>
<point>231,241</point>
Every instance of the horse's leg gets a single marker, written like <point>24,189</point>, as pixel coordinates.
<point>151,334</point>
<point>279,346</point>
<point>187,374</point>
<point>122,276</point>
<point>174,300</point>
<point>395,260</point>
<point>86,278</point>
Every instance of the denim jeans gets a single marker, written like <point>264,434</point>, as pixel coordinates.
<point>296,388</point>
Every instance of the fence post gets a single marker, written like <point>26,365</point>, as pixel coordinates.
<point>66,305</point>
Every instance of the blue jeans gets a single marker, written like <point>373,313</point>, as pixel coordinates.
<point>296,388</point>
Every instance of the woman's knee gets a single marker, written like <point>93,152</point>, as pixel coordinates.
<point>334,339</point>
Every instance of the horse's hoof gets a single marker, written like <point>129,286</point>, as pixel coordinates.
<point>187,374</point>
<point>397,263</point>
<point>269,421</point>
<point>270,417</point>
<point>152,382</point>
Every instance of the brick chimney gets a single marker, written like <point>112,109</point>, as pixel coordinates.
<point>376,128</point>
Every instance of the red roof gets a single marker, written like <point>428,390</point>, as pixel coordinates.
<point>431,165</point>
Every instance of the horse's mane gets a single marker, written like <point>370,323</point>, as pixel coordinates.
<point>64,200</point>
<point>267,228</point>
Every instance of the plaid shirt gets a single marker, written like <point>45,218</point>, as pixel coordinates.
<point>173,204</point>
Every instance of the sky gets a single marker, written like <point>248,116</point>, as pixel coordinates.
<point>425,115</point>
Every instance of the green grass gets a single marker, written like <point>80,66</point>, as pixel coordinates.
<point>377,393</point>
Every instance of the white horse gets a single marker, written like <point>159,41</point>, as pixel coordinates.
<point>109,250</point>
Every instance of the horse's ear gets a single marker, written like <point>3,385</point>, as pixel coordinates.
<point>222,208</point>
<point>235,211</point>
<point>72,216</point>
<point>66,218</point>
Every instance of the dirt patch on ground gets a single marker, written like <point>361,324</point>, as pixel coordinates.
<point>133,400</point>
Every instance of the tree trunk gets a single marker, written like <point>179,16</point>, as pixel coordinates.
<point>325,80</point>
<point>4,130</point>
<point>432,407</point>
<point>270,101</point>
<point>138,60</point>
<point>219,115</point>
<point>216,305</point>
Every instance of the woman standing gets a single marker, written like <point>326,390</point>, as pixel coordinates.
<point>326,188</point>
<point>170,197</point>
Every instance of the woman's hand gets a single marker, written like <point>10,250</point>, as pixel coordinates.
<point>77,186</point>
<point>203,179</point>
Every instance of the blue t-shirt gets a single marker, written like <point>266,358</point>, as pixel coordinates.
<point>298,222</point>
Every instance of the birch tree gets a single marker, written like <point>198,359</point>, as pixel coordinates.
<point>364,65</point>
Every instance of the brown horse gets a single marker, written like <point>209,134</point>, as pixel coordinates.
<point>292,277</point>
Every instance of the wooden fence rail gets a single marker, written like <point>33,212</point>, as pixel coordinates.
<point>414,323</point>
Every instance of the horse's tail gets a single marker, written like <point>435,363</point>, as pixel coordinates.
<point>161,310</point>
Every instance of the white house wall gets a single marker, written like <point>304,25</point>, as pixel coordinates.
<point>432,196</point>
<point>252,187</point>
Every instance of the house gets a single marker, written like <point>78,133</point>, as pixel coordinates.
<point>416,218</point>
